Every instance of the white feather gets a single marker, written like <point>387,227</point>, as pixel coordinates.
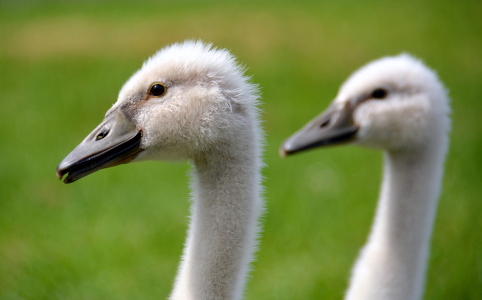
<point>208,115</point>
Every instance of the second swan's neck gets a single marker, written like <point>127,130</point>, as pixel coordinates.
<point>392,264</point>
<point>222,234</point>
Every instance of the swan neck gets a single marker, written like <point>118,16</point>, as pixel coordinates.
<point>221,239</point>
<point>392,264</point>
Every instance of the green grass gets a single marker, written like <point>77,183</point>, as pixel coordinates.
<point>118,233</point>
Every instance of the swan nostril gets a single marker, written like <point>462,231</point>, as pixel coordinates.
<point>102,135</point>
<point>325,123</point>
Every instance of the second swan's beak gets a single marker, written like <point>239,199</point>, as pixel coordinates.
<point>115,141</point>
<point>333,126</point>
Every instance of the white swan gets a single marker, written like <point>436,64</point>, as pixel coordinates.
<point>190,101</point>
<point>399,105</point>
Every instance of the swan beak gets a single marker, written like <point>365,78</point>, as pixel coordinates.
<point>333,126</point>
<point>115,141</point>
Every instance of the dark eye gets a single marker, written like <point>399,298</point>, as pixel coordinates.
<point>379,94</point>
<point>157,90</point>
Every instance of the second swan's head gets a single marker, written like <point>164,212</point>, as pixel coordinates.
<point>186,99</point>
<point>392,103</point>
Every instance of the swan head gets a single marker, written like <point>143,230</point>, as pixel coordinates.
<point>186,99</point>
<point>393,103</point>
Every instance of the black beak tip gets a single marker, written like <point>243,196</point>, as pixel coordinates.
<point>287,148</point>
<point>282,152</point>
<point>60,172</point>
<point>60,175</point>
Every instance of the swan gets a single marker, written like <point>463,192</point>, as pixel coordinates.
<point>192,101</point>
<point>399,105</point>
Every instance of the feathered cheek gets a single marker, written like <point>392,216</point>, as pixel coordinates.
<point>365,114</point>
<point>377,126</point>
<point>415,126</point>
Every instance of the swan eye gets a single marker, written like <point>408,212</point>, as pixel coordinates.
<point>379,94</point>
<point>157,90</point>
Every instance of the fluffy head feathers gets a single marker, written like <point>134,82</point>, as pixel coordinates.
<point>208,99</point>
<point>414,109</point>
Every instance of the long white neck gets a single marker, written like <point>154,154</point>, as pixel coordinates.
<point>223,229</point>
<point>392,264</point>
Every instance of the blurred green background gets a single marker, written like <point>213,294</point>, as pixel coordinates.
<point>118,234</point>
